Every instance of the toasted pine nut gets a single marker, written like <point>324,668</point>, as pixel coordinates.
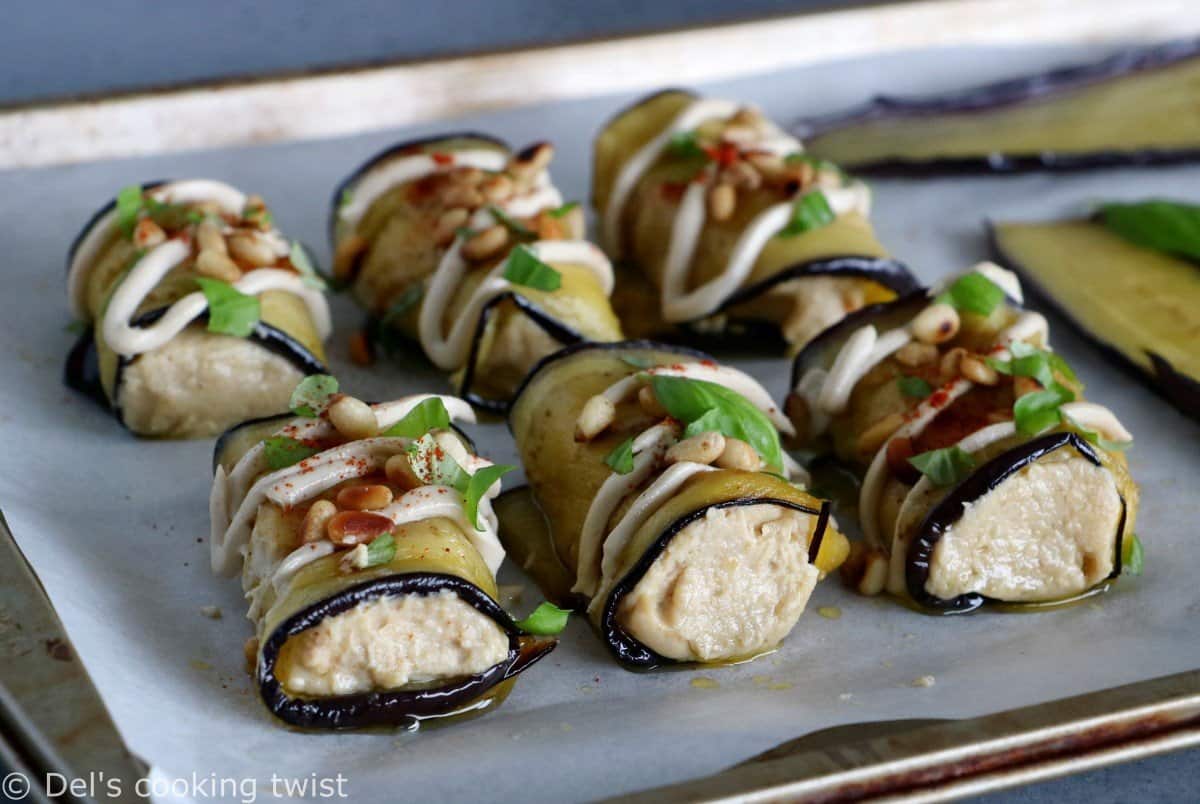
<point>743,176</point>
<point>739,455</point>
<point>702,448</point>
<point>312,529</point>
<point>148,234</point>
<point>250,248</point>
<point>1024,385</point>
<point>948,365</point>
<point>468,176</point>
<point>649,402</point>
<point>400,473</point>
<point>722,201</point>
<point>937,323</point>
<point>218,266</point>
<point>346,254</point>
<point>871,439</point>
<point>209,237</point>
<point>769,166</point>
<point>977,371</point>
<point>496,188</point>
<point>462,196</point>
<point>915,353</point>
<point>485,244</point>
<point>739,134</point>
<point>355,560</point>
<point>250,651</point>
<point>448,224</point>
<point>348,528</point>
<point>359,345</point>
<point>353,418</point>
<point>597,414</point>
<point>370,497</point>
<point>874,574</point>
<point>803,172</point>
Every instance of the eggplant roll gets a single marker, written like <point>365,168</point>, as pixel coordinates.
<point>1140,305</point>
<point>733,228</point>
<point>467,248</point>
<point>1135,108</point>
<point>195,314</point>
<point>685,544</point>
<point>985,476</point>
<point>372,594</point>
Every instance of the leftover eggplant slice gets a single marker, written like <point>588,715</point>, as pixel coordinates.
<point>985,476</point>
<point>372,594</point>
<point>729,231</point>
<point>660,502</point>
<point>1134,108</point>
<point>1139,305</point>
<point>467,249</point>
<point>185,289</point>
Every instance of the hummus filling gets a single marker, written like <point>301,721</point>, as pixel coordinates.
<point>199,382</point>
<point>390,642</point>
<point>1047,532</point>
<point>728,586</point>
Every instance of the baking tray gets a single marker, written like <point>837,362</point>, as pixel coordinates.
<point>115,527</point>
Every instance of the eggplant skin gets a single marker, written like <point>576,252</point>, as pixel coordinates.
<point>399,708</point>
<point>630,652</point>
<point>1039,88</point>
<point>982,481</point>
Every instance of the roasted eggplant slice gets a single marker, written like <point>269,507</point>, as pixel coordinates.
<point>736,233</point>
<point>984,476</point>
<point>658,502</point>
<point>467,249</point>
<point>1135,108</point>
<point>196,314</point>
<point>372,592</point>
<point>1141,306</point>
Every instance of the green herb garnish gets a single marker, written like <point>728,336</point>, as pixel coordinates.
<point>546,620</point>
<point>434,466</point>
<point>685,145</point>
<point>914,386</point>
<point>425,417</point>
<point>129,206</point>
<point>260,216</point>
<point>381,550</point>
<point>477,486</point>
<point>1097,439</point>
<point>973,293</point>
<point>620,460</point>
<point>1167,226</point>
<point>230,312</point>
<point>944,467</point>
<point>1133,556</point>
<point>705,405</point>
<point>564,210</point>
<point>345,198</point>
<point>524,268</point>
<point>811,211</point>
<point>1038,411</point>
<point>513,225</point>
<point>281,451</point>
<point>302,262</point>
<point>312,395</point>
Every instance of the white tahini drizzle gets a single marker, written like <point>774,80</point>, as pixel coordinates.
<point>679,304</point>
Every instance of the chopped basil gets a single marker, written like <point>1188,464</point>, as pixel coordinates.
<point>811,211</point>
<point>428,415</point>
<point>260,216</point>
<point>513,225</point>
<point>381,550</point>
<point>944,467</point>
<point>620,460</point>
<point>715,407</point>
<point>1030,361</point>
<point>230,312</point>
<point>1133,557</point>
<point>477,486</point>
<point>302,262</point>
<point>345,198</point>
<point>1038,411</point>
<point>194,216</point>
<point>685,145</point>
<point>1097,439</point>
<point>312,394</point>
<point>168,216</point>
<point>281,451</point>
<point>973,293</point>
<point>129,206</point>
<point>564,210</point>
<point>465,233</point>
<point>546,620</point>
<point>1167,226</point>
<point>436,467</point>
<point>524,268</point>
<point>915,386</point>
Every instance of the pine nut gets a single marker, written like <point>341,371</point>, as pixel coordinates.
<point>702,448</point>
<point>769,166</point>
<point>977,371</point>
<point>448,224</point>
<point>1024,385</point>
<point>312,529</point>
<point>496,188</point>
<point>948,365</point>
<point>346,254</point>
<point>209,238</point>
<point>597,414</point>
<point>874,574</point>
<point>649,402</point>
<point>937,323</point>
<point>915,353</point>
<point>485,244</point>
<point>400,473</point>
<point>348,528</point>
<point>369,497</point>
<point>739,134</point>
<point>218,266</point>
<point>743,176</point>
<point>722,201</point>
<point>251,249</point>
<point>748,116</point>
<point>148,234</point>
<point>739,455</point>
<point>353,418</point>
<point>465,177</point>
<point>456,196</point>
<point>803,172</point>
<point>871,439</point>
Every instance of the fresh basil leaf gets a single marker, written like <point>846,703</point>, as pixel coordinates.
<point>194,216</point>
<point>129,206</point>
<point>1038,411</point>
<point>428,415</point>
<point>260,216</point>
<point>620,460</point>
<point>477,486</point>
<point>811,211</point>
<point>564,210</point>
<point>281,451</point>
<point>436,467</point>
<point>546,620</point>
<point>685,145</point>
<point>1097,439</point>
<point>300,260</point>
<point>1133,556</point>
<point>230,312</point>
<point>1167,226</point>
<point>381,550</point>
<point>915,387</point>
<point>524,268</point>
<point>689,400</point>
<point>710,422</point>
<point>1058,364</point>
<point>345,198</point>
<point>973,293</point>
<point>168,216</point>
<point>312,395</point>
<point>513,225</point>
<point>944,467</point>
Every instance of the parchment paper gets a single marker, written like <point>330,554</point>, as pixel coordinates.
<point>116,527</point>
